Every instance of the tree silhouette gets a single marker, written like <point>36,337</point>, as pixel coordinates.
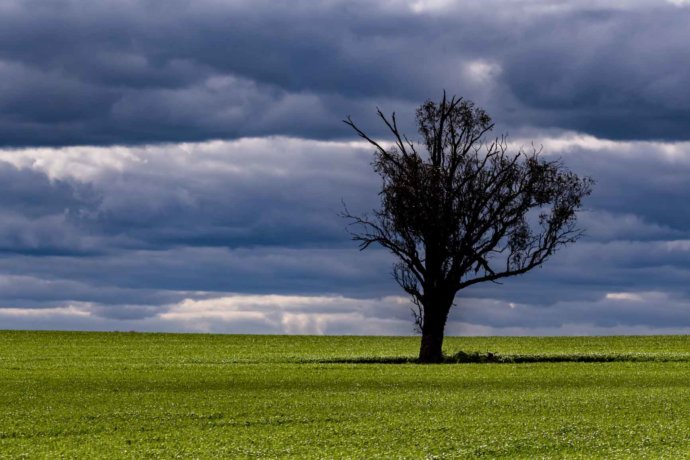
<point>464,211</point>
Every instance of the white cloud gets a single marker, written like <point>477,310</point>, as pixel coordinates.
<point>269,155</point>
<point>563,142</point>
<point>431,6</point>
<point>627,296</point>
<point>281,156</point>
<point>482,71</point>
<point>69,310</point>
<point>289,314</point>
<point>616,313</point>
<point>241,313</point>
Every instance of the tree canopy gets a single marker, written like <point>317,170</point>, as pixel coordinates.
<point>460,208</point>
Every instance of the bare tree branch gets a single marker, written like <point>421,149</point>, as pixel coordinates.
<point>467,211</point>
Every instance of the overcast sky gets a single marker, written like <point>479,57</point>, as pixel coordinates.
<point>179,165</point>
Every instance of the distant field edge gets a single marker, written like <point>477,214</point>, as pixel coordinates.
<point>326,336</point>
<point>152,348</point>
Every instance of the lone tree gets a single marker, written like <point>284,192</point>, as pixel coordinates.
<point>464,211</point>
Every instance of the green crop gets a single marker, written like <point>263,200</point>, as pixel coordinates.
<point>133,395</point>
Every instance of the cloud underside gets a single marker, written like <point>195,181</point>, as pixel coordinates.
<point>244,236</point>
<point>337,315</point>
<point>86,73</point>
<point>181,165</point>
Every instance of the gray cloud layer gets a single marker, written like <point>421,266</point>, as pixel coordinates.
<point>243,235</point>
<point>201,236</point>
<point>109,72</point>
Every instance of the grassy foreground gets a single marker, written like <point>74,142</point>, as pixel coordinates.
<point>132,395</point>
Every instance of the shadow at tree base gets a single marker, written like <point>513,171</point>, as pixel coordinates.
<point>476,357</point>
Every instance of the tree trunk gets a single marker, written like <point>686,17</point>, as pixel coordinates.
<point>431,349</point>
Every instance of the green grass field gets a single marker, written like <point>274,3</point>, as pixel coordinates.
<point>133,395</point>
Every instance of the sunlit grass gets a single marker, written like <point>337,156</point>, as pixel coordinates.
<point>164,395</point>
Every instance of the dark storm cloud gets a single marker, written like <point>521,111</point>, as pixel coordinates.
<point>270,270</point>
<point>125,73</point>
<point>32,194</point>
<point>39,216</point>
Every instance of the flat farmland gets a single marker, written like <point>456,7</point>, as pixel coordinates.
<point>139,395</point>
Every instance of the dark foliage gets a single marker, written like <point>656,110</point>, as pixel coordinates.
<point>459,209</point>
